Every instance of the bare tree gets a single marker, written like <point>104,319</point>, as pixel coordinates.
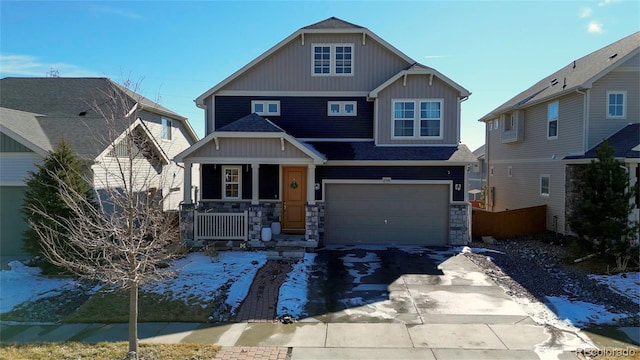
<point>126,239</point>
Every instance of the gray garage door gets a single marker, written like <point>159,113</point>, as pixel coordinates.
<point>386,214</point>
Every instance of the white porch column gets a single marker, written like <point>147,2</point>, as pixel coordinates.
<point>255,185</point>
<point>186,185</point>
<point>311,184</point>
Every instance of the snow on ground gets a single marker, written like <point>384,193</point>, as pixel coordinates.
<point>580,313</point>
<point>24,283</point>
<point>293,292</point>
<point>370,261</point>
<point>627,284</point>
<point>199,276</point>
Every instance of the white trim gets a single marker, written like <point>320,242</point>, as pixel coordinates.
<point>520,161</point>
<point>292,93</point>
<point>326,182</point>
<point>624,104</point>
<point>265,104</point>
<point>248,160</point>
<point>341,108</point>
<point>375,92</point>
<point>138,122</point>
<point>394,163</point>
<point>224,182</point>
<point>332,59</point>
<point>417,145</point>
<point>305,140</point>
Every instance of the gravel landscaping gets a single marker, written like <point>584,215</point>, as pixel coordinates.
<point>535,270</point>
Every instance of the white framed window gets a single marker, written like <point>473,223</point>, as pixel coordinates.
<point>510,171</point>
<point>166,129</point>
<point>491,171</point>
<point>552,120</point>
<point>420,118</point>
<point>231,182</point>
<point>545,182</point>
<point>616,104</point>
<point>266,107</point>
<point>332,59</point>
<point>496,124</point>
<point>342,108</point>
<point>508,122</point>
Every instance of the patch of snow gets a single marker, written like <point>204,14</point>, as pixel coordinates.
<point>199,276</point>
<point>580,313</point>
<point>25,283</point>
<point>475,250</point>
<point>292,297</point>
<point>627,284</point>
<point>370,261</point>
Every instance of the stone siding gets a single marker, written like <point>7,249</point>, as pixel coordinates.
<point>573,185</point>
<point>312,228</point>
<point>459,224</point>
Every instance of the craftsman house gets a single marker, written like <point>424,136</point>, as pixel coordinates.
<point>335,135</point>
<point>536,141</point>
<point>93,115</point>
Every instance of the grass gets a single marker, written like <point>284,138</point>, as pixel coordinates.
<point>106,351</point>
<point>113,307</point>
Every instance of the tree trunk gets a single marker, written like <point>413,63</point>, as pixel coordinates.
<point>133,321</point>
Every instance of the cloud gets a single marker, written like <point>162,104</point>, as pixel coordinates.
<point>118,12</point>
<point>595,27</point>
<point>27,65</point>
<point>607,2</point>
<point>435,56</point>
<point>585,12</point>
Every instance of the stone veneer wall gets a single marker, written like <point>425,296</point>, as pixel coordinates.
<point>459,226</point>
<point>572,186</point>
<point>312,226</point>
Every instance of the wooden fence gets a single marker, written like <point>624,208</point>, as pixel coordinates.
<point>510,223</point>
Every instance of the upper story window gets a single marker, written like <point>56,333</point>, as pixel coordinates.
<point>231,180</point>
<point>266,107</point>
<point>616,105</point>
<point>341,108</point>
<point>426,122</point>
<point>552,120</point>
<point>509,123</point>
<point>166,129</point>
<point>332,59</point>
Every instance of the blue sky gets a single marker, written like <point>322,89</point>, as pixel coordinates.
<point>178,50</point>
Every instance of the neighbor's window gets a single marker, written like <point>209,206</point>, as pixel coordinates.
<point>166,129</point>
<point>332,59</point>
<point>341,108</point>
<point>266,107</point>
<point>491,171</point>
<point>615,104</point>
<point>508,122</point>
<point>552,120</point>
<point>231,182</point>
<point>544,185</point>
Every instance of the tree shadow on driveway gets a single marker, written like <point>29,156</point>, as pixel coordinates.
<point>366,284</point>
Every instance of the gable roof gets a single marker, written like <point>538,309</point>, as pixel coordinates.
<point>70,108</point>
<point>24,127</point>
<point>252,123</point>
<point>330,25</point>
<point>368,151</point>
<point>578,74</point>
<point>625,142</point>
<point>419,69</point>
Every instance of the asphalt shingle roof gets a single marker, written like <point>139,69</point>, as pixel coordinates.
<point>360,151</point>
<point>333,23</point>
<point>575,75</point>
<point>251,123</point>
<point>624,141</point>
<point>25,125</point>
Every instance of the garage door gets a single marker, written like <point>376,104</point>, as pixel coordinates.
<point>386,214</point>
<point>13,224</point>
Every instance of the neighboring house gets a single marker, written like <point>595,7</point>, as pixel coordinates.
<point>36,113</point>
<point>477,177</point>
<point>340,137</point>
<point>533,139</point>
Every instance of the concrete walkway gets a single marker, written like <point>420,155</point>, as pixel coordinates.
<point>462,315</point>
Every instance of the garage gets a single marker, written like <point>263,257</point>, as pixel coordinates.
<point>387,214</point>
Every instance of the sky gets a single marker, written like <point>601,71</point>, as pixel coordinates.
<point>175,51</point>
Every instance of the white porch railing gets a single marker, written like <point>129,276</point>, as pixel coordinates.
<point>221,226</point>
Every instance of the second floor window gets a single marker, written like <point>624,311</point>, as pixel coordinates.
<point>332,59</point>
<point>422,117</point>
<point>166,129</point>
<point>615,104</point>
<point>552,120</point>
<point>266,107</point>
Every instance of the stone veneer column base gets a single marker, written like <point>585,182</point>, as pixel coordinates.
<point>459,225</point>
<point>312,223</point>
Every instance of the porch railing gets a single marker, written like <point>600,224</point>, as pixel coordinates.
<point>221,226</point>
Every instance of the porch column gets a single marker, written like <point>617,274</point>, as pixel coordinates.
<point>311,184</point>
<point>255,185</point>
<point>186,185</point>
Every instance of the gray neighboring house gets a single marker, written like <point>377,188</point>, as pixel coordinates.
<point>477,174</point>
<point>36,113</point>
<point>535,140</point>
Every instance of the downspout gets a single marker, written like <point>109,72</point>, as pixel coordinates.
<point>460,101</point>
<point>585,120</point>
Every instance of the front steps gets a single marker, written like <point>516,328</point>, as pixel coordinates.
<point>285,246</point>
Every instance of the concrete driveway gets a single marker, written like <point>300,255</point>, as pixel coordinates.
<point>408,285</point>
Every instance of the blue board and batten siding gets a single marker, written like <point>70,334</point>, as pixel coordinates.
<point>269,176</point>
<point>303,117</point>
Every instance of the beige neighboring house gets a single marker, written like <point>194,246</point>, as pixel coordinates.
<point>535,140</point>
<point>36,113</point>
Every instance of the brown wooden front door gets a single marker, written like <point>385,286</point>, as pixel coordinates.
<point>294,198</point>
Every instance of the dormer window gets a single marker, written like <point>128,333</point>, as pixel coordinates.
<point>332,60</point>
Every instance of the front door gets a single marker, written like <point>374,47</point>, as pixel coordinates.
<point>294,183</point>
